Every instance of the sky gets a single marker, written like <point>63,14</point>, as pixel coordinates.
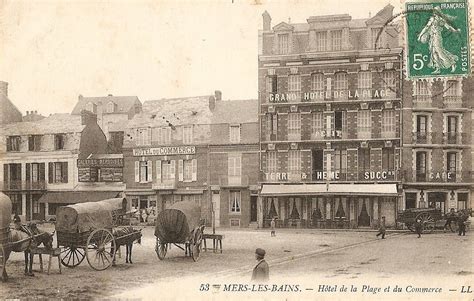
<point>53,51</point>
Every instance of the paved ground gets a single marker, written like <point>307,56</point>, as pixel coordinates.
<point>327,256</point>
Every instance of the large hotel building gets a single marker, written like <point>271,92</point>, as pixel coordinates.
<point>330,121</point>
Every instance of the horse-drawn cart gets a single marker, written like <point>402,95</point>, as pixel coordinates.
<point>179,225</point>
<point>86,230</point>
<point>427,216</point>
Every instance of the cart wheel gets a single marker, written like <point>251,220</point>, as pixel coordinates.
<point>3,263</point>
<point>160,249</point>
<point>72,257</point>
<point>427,221</point>
<point>100,244</point>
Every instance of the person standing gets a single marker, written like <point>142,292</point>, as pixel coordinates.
<point>418,227</point>
<point>462,225</point>
<point>272,226</point>
<point>382,228</point>
<point>260,271</point>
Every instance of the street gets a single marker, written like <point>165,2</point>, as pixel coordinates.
<point>332,256</point>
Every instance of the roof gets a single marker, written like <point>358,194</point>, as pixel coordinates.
<point>172,112</point>
<point>55,123</point>
<point>235,111</point>
<point>124,103</point>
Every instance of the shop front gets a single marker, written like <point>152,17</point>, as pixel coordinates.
<point>328,205</point>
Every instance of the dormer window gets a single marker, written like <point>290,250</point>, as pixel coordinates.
<point>111,107</point>
<point>283,43</point>
<point>336,39</point>
<point>92,107</point>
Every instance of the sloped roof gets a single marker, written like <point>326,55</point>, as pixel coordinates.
<point>124,103</point>
<point>235,111</point>
<point>56,123</point>
<point>173,112</point>
<point>5,101</point>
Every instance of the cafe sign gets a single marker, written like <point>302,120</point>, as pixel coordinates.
<point>165,150</point>
<point>103,162</point>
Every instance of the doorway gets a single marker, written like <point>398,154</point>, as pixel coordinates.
<point>216,205</point>
<point>253,208</point>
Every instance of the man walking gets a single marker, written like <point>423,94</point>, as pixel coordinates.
<point>418,227</point>
<point>382,228</point>
<point>272,226</point>
<point>462,225</point>
<point>260,271</point>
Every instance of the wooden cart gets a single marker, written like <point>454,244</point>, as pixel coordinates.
<point>427,216</point>
<point>85,230</point>
<point>179,225</point>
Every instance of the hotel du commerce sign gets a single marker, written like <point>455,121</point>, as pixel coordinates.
<point>165,151</point>
<point>322,95</point>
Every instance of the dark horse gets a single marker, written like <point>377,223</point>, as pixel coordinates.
<point>24,240</point>
<point>119,232</point>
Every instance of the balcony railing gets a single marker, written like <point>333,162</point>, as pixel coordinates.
<point>164,185</point>
<point>422,137</point>
<point>437,176</point>
<point>421,101</point>
<point>12,185</point>
<point>230,181</point>
<point>38,185</point>
<point>364,132</point>
<point>455,138</point>
<point>452,101</point>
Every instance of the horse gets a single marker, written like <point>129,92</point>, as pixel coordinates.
<point>118,232</point>
<point>24,240</point>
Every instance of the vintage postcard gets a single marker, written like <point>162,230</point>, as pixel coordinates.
<point>236,150</point>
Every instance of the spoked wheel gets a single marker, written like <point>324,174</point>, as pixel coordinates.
<point>427,221</point>
<point>100,244</point>
<point>160,249</point>
<point>197,246</point>
<point>410,227</point>
<point>3,263</point>
<point>72,257</point>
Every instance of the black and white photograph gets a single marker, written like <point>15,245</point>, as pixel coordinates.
<point>236,149</point>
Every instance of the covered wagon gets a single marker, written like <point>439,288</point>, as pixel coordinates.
<point>181,224</point>
<point>85,230</point>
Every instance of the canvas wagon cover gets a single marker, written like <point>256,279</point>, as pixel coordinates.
<point>84,217</point>
<point>176,223</point>
<point>5,211</point>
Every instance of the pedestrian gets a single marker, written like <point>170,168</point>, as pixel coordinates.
<point>272,226</point>
<point>260,271</point>
<point>462,225</point>
<point>17,221</point>
<point>382,228</point>
<point>418,227</point>
<point>450,217</point>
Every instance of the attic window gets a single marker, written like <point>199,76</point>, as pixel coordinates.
<point>283,43</point>
<point>111,107</point>
<point>92,107</point>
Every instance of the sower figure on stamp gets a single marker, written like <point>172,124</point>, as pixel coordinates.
<point>272,226</point>
<point>260,271</point>
<point>382,228</point>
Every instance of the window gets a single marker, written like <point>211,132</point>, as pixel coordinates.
<point>168,170</point>
<point>388,121</point>
<point>336,39</point>
<point>364,162</point>
<point>317,82</point>
<point>12,175</point>
<point>143,171</point>
<point>164,135</point>
<point>34,143</point>
<point>13,143</point>
<point>364,80</point>
<point>339,124</point>
<point>294,126</point>
<point>388,159</point>
<point>321,40</point>
<point>410,200</point>
<point>421,129</point>
<point>452,127</point>
<point>317,129</point>
<point>234,133</point>
<point>375,39</point>
<point>187,134</point>
<point>35,175</point>
<point>234,165</point>
<point>389,83</point>
<point>340,85</point>
<point>421,166</point>
<point>363,123</point>
<point>283,43</point>
<point>340,163</point>
<point>59,141</point>
<point>271,161</point>
<point>188,170</point>
<point>272,126</point>
<point>451,165</point>
<point>111,107</point>
<point>272,84</point>
<point>234,201</point>
<point>143,136</point>
<point>294,162</point>
<point>92,107</point>
<point>116,142</point>
<point>58,172</point>
<point>294,85</point>
<point>452,88</point>
<point>422,92</point>
<point>462,200</point>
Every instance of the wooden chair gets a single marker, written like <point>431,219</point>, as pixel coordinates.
<point>54,252</point>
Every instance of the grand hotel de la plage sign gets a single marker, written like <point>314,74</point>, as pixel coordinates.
<point>165,151</point>
<point>322,95</point>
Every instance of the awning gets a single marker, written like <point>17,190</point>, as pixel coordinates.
<point>73,197</point>
<point>332,189</point>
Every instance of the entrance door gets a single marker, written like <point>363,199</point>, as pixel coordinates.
<point>364,218</point>
<point>38,208</point>
<point>216,204</point>
<point>253,208</point>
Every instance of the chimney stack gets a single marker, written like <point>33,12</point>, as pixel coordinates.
<point>36,112</point>
<point>4,88</point>
<point>218,95</point>
<point>80,97</point>
<point>267,21</point>
<point>27,113</point>
<point>212,103</point>
<point>87,117</point>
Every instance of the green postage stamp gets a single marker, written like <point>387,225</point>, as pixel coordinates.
<point>437,39</point>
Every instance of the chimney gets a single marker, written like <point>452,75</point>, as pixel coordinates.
<point>4,88</point>
<point>218,95</point>
<point>27,113</point>
<point>110,95</point>
<point>212,103</point>
<point>87,117</point>
<point>267,21</point>
<point>80,97</point>
<point>36,112</point>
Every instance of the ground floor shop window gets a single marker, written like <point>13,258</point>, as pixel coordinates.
<point>410,200</point>
<point>437,200</point>
<point>234,201</point>
<point>462,200</point>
